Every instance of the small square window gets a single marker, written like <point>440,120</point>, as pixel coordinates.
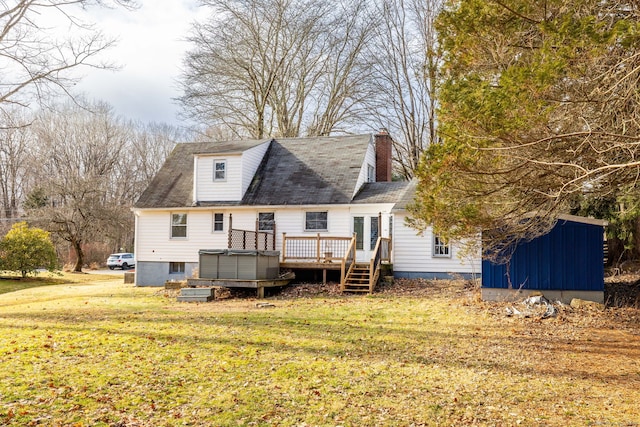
<point>315,221</point>
<point>266,221</point>
<point>219,170</point>
<point>218,222</point>
<point>176,267</point>
<point>441,247</point>
<point>178,225</point>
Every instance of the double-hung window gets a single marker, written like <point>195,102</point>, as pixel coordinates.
<point>178,225</point>
<point>218,222</point>
<point>219,170</point>
<point>266,221</point>
<point>441,248</point>
<point>316,221</point>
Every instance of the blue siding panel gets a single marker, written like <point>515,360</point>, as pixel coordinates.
<point>569,257</point>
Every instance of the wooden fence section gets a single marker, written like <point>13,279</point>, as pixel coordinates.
<point>316,249</point>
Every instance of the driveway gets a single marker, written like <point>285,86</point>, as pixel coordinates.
<point>116,272</point>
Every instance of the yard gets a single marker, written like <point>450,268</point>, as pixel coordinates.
<point>98,352</point>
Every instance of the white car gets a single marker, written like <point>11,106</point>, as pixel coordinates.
<point>123,261</point>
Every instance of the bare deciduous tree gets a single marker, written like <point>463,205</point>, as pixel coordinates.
<point>36,57</point>
<point>277,67</point>
<point>15,161</point>
<point>406,63</point>
<point>79,151</point>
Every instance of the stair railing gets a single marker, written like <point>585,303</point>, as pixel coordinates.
<point>382,252</point>
<point>348,262</point>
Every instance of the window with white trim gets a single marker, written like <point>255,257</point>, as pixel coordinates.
<point>178,225</point>
<point>219,170</point>
<point>266,221</point>
<point>441,247</point>
<point>315,221</point>
<point>218,222</point>
<point>176,267</point>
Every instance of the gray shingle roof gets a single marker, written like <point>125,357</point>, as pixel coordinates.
<point>381,192</point>
<point>294,171</point>
<point>172,186</point>
<point>305,171</point>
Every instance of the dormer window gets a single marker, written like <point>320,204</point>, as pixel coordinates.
<point>371,174</point>
<point>219,170</point>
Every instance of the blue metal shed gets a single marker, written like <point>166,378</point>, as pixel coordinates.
<point>566,263</point>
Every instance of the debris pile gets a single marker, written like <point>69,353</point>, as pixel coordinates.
<point>535,306</point>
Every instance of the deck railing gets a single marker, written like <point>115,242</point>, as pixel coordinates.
<point>314,248</point>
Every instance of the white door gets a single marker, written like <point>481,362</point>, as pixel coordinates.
<point>366,228</point>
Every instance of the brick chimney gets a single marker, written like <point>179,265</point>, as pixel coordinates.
<point>384,145</point>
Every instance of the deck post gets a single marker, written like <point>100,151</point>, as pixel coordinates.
<point>318,248</point>
<point>284,246</point>
<point>230,232</point>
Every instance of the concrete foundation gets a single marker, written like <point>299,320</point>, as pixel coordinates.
<point>157,273</point>
<point>513,295</point>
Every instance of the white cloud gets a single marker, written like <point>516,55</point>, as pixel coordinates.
<point>150,51</point>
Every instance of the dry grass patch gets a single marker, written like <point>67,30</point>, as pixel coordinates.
<point>113,355</point>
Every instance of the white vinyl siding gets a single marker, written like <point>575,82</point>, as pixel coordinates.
<point>239,170</point>
<point>251,160</point>
<point>153,241</point>
<point>411,252</point>
<point>369,159</point>
<point>414,253</point>
<point>208,189</point>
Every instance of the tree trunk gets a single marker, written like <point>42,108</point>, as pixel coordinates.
<point>77,247</point>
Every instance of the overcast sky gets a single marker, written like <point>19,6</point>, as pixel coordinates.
<point>150,51</point>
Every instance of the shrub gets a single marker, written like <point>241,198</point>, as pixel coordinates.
<point>26,249</point>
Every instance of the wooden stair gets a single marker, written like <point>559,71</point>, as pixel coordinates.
<point>358,279</point>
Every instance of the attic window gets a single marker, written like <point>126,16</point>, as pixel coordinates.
<point>219,170</point>
<point>371,174</point>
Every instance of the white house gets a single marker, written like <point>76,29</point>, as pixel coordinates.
<point>304,197</point>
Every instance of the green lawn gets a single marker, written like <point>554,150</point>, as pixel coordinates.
<point>102,353</point>
<point>15,283</point>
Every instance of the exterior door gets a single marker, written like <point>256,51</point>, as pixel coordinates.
<point>367,231</point>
